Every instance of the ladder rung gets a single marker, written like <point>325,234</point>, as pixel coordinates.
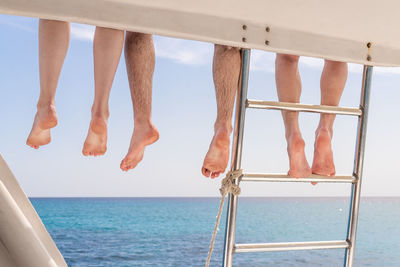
<point>313,245</point>
<point>266,177</point>
<point>302,107</point>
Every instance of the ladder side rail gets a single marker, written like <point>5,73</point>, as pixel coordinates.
<point>358,166</point>
<point>236,158</point>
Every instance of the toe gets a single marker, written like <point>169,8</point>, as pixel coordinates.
<point>133,165</point>
<point>123,165</point>
<point>128,167</point>
<point>206,172</point>
<point>31,145</point>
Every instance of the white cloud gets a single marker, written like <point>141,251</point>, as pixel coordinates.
<point>387,70</point>
<point>26,24</point>
<point>353,68</point>
<point>200,53</point>
<point>78,31</point>
<point>184,51</point>
<point>82,32</point>
<point>312,62</point>
<point>262,61</point>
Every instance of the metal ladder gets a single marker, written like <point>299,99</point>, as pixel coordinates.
<point>355,180</point>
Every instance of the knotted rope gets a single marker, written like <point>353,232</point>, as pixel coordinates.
<point>228,185</point>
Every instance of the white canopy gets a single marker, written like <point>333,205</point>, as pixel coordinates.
<point>358,31</point>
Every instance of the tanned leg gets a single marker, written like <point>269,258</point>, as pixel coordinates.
<point>140,61</point>
<point>226,71</point>
<point>107,48</point>
<point>53,46</point>
<point>288,84</point>
<point>333,80</point>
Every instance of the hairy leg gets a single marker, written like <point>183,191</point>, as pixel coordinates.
<point>53,47</point>
<point>107,48</point>
<point>226,71</point>
<point>333,80</point>
<point>140,61</point>
<point>288,84</point>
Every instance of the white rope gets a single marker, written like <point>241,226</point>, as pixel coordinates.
<point>227,186</point>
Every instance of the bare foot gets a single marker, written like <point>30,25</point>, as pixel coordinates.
<point>323,155</point>
<point>143,135</point>
<point>218,154</point>
<point>96,140</point>
<point>297,159</point>
<point>45,119</point>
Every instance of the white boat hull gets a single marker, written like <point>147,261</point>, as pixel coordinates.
<point>25,241</point>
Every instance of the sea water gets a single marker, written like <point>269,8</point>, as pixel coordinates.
<point>177,231</point>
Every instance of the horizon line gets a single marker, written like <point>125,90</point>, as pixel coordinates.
<point>32,197</point>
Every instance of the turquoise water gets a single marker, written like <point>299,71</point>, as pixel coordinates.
<point>177,231</point>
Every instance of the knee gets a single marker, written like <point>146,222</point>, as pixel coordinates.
<point>288,59</point>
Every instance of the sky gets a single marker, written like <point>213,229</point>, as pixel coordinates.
<point>184,111</point>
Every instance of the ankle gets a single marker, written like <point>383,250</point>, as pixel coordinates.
<point>46,105</point>
<point>143,121</point>
<point>146,132</point>
<point>100,113</point>
<point>293,136</point>
<point>99,119</point>
<point>145,126</point>
<point>224,127</point>
<point>324,130</point>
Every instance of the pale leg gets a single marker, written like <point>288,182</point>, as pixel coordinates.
<point>53,46</point>
<point>140,61</point>
<point>288,84</point>
<point>333,80</point>
<point>107,48</point>
<point>226,71</point>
